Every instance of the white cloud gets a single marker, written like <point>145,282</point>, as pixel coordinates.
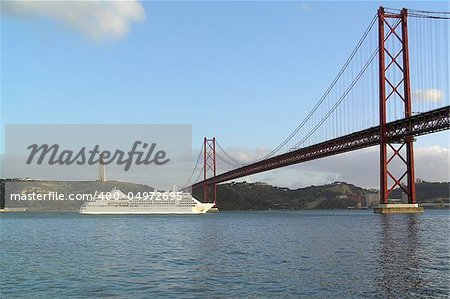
<point>302,6</point>
<point>99,20</point>
<point>433,163</point>
<point>245,155</point>
<point>428,95</point>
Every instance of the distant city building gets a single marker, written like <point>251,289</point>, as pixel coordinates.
<point>404,197</point>
<point>395,200</point>
<point>372,199</point>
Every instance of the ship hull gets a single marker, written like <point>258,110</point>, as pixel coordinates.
<point>127,211</point>
<point>120,203</point>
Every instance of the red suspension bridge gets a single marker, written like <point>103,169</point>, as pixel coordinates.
<point>393,88</point>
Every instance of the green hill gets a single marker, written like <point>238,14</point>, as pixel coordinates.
<point>257,196</point>
<point>338,195</point>
<point>428,192</point>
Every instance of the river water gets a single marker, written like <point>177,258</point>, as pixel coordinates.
<point>274,254</point>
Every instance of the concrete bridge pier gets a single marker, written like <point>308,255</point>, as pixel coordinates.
<point>398,208</point>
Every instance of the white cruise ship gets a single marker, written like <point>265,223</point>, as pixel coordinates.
<point>117,202</point>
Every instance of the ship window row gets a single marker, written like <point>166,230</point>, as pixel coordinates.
<point>157,209</point>
<point>162,206</point>
<point>161,201</point>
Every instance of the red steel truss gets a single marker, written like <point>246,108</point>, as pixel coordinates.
<point>403,129</point>
<point>393,28</point>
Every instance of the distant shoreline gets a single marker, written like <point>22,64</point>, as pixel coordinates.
<point>233,196</point>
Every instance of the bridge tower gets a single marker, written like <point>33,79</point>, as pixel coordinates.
<point>209,169</point>
<point>394,85</point>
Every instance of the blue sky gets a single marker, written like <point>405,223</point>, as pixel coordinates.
<point>245,72</point>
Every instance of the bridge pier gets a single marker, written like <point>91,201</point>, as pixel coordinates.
<point>398,208</point>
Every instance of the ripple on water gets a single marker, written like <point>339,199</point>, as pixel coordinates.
<point>247,254</point>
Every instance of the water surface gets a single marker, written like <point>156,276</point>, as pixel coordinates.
<point>280,254</point>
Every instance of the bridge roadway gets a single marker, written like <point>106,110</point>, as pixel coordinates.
<point>419,124</point>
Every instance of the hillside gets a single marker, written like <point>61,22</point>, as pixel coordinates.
<point>338,195</point>
<point>428,192</point>
<point>255,196</point>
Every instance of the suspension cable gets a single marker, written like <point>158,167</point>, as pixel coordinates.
<point>195,167</point>
<point>352,55</point>
<point>339,101</point>
<point>229,156</point>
